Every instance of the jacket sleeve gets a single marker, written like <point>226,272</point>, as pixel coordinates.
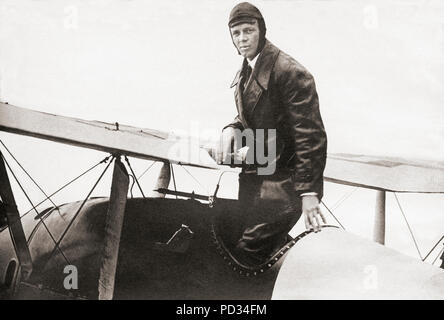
<point>299,101</point>
<point>236,124</point>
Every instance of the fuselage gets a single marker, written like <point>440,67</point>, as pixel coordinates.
<point>159,260</point>
<point>146,269</point>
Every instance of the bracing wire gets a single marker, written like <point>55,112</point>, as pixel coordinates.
<point>38,214</point>
<point>433,248</point>
<point>439,255</point>
<point>78,211</point>
<point>408,226</point>
<point>339,201</point>
<point>134,175</point>
<point>66,185</point>
<point>337,220</point>
<point>343,199</point>
<point>29,176</point>
<point>146,170</point>
<point>338,204</point>
<point>206,190</point>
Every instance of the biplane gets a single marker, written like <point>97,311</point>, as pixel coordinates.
<point>155,247</point>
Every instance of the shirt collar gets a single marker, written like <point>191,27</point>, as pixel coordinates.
<point>253,62</point>
<point>266,60</point>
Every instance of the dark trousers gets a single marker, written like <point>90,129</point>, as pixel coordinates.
<point>269,208</point>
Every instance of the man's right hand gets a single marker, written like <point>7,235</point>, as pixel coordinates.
<point>226,146</point>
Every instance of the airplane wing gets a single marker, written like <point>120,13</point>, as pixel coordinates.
<point>112,138</point>
<point>373,172</point>
<point>384,173</point>
<point>334,264</point>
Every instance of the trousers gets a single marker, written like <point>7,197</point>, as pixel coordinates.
<point>268,210</point>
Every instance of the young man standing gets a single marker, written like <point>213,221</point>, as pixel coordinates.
<point>274,92</point>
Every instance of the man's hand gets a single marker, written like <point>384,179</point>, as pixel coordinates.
<point>227,145</point>
<point>312,213</point>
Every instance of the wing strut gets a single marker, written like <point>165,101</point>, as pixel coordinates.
<point>15,226</point>
<point>379,227</point>
<point>113,229</point>
<point>163,180</point>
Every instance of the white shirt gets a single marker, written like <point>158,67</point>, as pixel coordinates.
<point>252,63</point>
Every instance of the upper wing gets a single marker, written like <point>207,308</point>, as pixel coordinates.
<point>113,138</point>
<point>384,173</point>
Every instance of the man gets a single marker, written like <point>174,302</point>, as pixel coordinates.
<point>273,91</point>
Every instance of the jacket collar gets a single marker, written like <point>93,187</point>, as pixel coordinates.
<point>236,79</point>
<point>263,67</point>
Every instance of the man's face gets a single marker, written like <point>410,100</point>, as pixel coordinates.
<point>246,38</point>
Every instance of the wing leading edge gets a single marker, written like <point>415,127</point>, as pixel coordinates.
<point>112,138</point>
<point>380,173</point>
<point>385,173</point>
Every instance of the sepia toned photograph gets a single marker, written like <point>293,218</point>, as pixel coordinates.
<point>221,150</point>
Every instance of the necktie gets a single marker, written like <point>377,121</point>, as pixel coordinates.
<point>247,75</point>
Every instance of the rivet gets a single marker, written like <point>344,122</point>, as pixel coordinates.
<point>288,247</point>
<point>234,268</point>
<point>229,263</point>
<point>276,259</point>
<point>282,253</point>
<point>240,272</point>
<point>262,270</point>
<point>247,274</point>
<point>269,265</point>
<point>255,273</point>
<point>293,242</point>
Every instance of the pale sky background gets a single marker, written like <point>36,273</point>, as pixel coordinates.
<point>378,66</point>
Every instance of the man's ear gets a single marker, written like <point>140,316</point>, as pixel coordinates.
<point>238,52</point>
